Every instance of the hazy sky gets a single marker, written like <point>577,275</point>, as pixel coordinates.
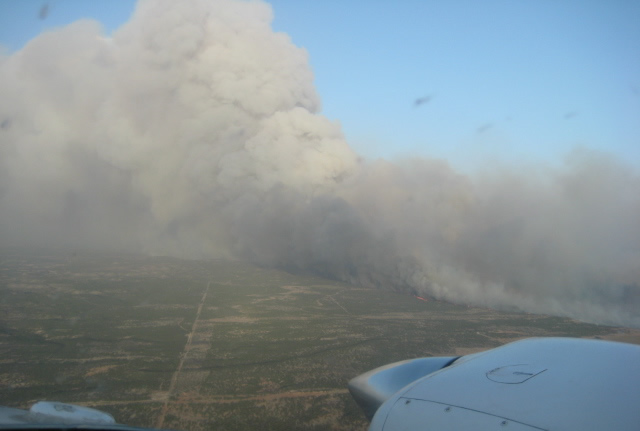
<point>505,80</point>
<point>192,129</point>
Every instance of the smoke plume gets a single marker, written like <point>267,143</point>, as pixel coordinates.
<point>194,132</point>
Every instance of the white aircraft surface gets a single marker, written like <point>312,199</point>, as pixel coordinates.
<point>533,384</point>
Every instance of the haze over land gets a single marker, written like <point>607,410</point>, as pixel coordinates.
<point>194,132</point>
<point>200,345</point>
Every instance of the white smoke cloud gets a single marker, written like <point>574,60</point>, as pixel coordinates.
<point>194,131</point>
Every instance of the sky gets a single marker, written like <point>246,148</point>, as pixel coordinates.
<point>469,82</point>
<point>484,155</point>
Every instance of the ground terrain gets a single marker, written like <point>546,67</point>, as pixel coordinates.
<point>197,345</point>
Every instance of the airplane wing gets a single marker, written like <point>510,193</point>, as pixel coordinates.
<point>55,415</point>
<point>532,384</point>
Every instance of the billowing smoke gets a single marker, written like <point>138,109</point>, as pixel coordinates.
<point>194,132</point>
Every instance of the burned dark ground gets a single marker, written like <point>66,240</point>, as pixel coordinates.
<point>194,345</point>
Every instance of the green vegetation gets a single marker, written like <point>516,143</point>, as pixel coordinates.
<point>256,348</point>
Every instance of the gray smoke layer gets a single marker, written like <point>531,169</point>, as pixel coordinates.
<point>194,132</point>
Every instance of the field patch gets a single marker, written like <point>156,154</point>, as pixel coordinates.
<point>198,345</point>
